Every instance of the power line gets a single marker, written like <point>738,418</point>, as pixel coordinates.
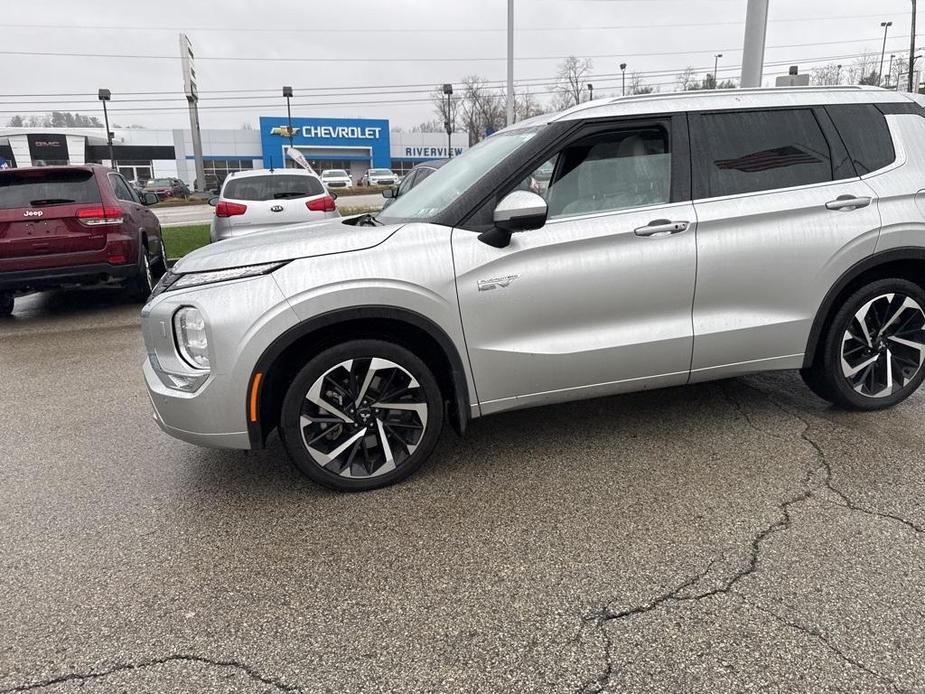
<point>419,30</point>
<point>326,59</point>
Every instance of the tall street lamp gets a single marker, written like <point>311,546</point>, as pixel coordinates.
<point>912,47</point>
<point>838,74</point>
<point>623,70</point>
<point>886,27</point>
<point>590,92</point>
<point>105,95</point>
<point>287,92</point>
<point>715,68</point>
<point>448,90</point>
<point>889,73</point>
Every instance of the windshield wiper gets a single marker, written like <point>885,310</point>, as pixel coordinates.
<point>50,201</point>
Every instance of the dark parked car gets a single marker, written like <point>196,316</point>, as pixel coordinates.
<point>167,188</point>
<point>65,225</point>
<point>413,178</point>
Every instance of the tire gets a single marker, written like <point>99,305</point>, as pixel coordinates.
<point>320,408</point>
<point>6,304</point>
<point>142,284</point>
<point>880,332</point>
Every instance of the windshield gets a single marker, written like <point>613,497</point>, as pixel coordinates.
<point>52,187</point>
<point>334,173</point>
<point>160,182</point>
<point>451,180</point>
<point>381,172</point>
<point>275,187</point>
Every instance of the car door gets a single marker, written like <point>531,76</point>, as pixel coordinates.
<point>598,300</point>
<point>137,215</point>
<point>781,214</point>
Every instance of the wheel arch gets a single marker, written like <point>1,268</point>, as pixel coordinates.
<point>905,262</point>
<point>291,350</point>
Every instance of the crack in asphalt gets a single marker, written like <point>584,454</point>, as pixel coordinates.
<point>680,593</point>
<point>179,657</point>
<point>820,636</point>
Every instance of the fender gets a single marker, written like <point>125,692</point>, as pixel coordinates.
<point>460,399</point>
<point>905,253</point>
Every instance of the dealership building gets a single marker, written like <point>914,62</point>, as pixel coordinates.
<point>327,143</point>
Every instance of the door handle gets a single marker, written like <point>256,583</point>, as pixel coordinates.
<point>847,202</point>
<point>661,227</point>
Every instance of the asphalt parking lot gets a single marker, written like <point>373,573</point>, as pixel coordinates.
<point>735,536</point>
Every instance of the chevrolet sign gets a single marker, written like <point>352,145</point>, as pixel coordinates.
<point>341,132</point>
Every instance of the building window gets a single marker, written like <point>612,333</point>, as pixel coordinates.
<point>220,168</point>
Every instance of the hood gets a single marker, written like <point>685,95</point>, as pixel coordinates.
<point>285,242</point>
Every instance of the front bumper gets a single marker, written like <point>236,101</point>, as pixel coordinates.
<point>242,319</point>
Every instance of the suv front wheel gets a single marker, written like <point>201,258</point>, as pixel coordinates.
<point>361,415</point>
<point>873,352</point>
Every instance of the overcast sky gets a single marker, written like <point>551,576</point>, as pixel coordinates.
<point>387,44</point>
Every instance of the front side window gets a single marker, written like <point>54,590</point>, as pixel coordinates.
<point>272,187</point>
<point>120,188</point>
<point>753,151</point>
<point>606,172</point>
<point>441,188</point>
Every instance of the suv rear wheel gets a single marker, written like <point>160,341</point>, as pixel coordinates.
<point>6,304</point>
<point>872,355</point>
<point>149,272</point>
<point>361,415</point>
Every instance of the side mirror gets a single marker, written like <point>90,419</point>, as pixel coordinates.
<point>332,194</point>
<point>149,199</point>
<point>213,201</point>
<point>521,210</point>
<point>390,192</point>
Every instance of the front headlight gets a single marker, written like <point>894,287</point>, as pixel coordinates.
<point>171,280</point>
<point>189,329</point>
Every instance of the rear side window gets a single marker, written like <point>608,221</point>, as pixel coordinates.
<point>865,133</point>
<point>39,188</point>
<point>273,187</point>
<point>753,151</point>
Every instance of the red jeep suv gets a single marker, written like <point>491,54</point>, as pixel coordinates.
<point>64,225</point>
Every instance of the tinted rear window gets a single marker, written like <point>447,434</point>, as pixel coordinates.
<point>40,188</point>
<point>866,135</point>
<point>274,187</point>
<point>758,150</point>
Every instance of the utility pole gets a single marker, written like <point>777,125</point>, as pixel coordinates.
<point>510,62</point>
<point>886,27</point>
<point>912,50</point>
<point>715,68</point>
<point>756,29</point>
<point>623,76</point>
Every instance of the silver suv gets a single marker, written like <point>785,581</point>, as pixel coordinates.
<point>622,245</point>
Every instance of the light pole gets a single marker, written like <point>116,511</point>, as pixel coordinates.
<point>838,74</point>
<point>886,27</point>
<point>510,62</point>
<point>448,90</point>
<point>889,73</point>
<point>623,70</point>
<point>105,95</point>
<point>715,68</point>
<point>590,92</point>
<point>912,47</point>
<point>287,92</point>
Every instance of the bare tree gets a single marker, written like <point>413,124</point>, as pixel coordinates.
<point>826,74</point>
<point>570,81</point>
<point>687,80</point>
<point>636,85</point>
<point>864,70</point>
<point>481,108</point>
<point>526,106</point>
